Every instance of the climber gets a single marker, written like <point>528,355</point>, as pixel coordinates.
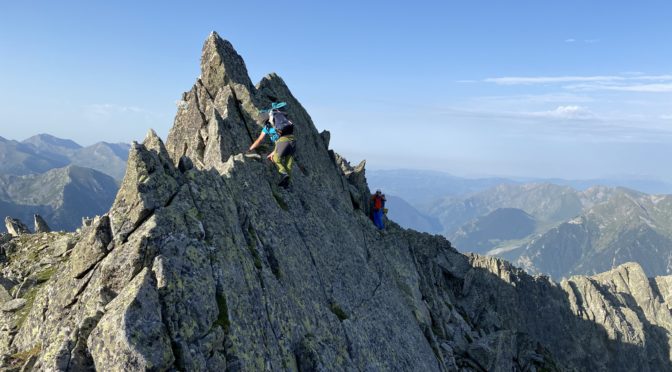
<point>266,130</point>
<point>285,143</point>
<point>378,203</point>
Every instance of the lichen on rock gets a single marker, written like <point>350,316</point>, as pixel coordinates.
<point>204,264</point>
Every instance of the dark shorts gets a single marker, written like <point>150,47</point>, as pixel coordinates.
<point>285,147</point>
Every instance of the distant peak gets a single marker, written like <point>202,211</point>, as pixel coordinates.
<point>48,139</point>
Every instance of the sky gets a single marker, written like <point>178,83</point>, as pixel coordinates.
<point>569,89</point>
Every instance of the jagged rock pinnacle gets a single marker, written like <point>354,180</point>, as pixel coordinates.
<point>204,264</point>
<point>41,225</point>
<point>222,65</point>
<point>15,227</point>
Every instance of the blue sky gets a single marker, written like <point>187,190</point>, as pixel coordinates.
<point>571,89</point>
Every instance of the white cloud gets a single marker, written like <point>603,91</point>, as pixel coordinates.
<point>591,41</point>
<point>529,80</point>
<point>527,99</point>
<point>654,77</point>
<point>623,82</point>
<point>570,40</point>
<point>109,109</point>
<point>567,112</point>
<point>639,88</point>
<point>666,117</point>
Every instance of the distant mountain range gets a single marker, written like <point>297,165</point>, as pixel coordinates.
<point>62,196</point>
<point>628,226</point>
<point>42,152</point>
<point>554,229</point>
<point>58,179</point>
<point>422,188</point>
<point>409,217</point>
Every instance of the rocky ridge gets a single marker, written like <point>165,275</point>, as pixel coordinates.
<point>202,263</point>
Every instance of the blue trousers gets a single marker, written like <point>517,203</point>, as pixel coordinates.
<point>378,219</point>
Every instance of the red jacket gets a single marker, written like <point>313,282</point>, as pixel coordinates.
<point>377,202</point>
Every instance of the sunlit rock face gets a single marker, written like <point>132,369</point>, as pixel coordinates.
<point>203,263</point>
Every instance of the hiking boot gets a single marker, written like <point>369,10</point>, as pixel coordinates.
<point>284,182</point>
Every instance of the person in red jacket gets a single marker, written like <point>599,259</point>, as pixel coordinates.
<point>378,205</point>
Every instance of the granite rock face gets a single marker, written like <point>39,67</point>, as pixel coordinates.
<point>204,264</point>
<point>41,225</point>
<point>15,227</point>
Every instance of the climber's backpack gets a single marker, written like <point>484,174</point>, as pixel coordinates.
<point>280,122</point>
<point>278,119</point>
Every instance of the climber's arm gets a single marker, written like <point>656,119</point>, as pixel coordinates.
<point>258,141</point>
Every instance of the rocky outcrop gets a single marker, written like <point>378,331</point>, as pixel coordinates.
<point>356,176</point>
<point>40,224</point>
<point>203,263</point>
<point>131,335</point>
<point>15,227</point>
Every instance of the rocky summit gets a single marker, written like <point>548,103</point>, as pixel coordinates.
<point>204,264</point>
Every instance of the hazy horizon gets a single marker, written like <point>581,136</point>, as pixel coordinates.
<point>571,90</point>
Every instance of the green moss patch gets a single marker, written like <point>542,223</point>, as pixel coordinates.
<point>23,356</point>
<point>45,274</point>
<point>223,317</point>
<point>280,201</point>
<point>251,246</point>
<point>30,300</point>
<point>338,311</point>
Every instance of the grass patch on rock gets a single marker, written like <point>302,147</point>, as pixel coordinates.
<point>22,356</point>
<point>223,317</point>
<point>338,311</point>
<point>22,314</point>
<point>280,201</point>
<point>45,274</point>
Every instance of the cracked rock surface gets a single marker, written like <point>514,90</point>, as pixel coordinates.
<point>204,264</point>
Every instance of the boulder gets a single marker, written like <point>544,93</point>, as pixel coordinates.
<point>13,305</point>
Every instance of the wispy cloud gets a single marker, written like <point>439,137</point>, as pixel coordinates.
<point>115,113</point>
<point>623,83</point>
<point>573,112</point>
<point>639,88</point>
<point>666,117</point>
<point>566,123</point>
<point>107,109</point>
<point>586,41</point>
<point>530,80</point>
<point>526,99</point>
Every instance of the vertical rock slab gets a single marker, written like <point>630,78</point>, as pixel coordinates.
<point>92,248</point>
<point>149,183</point>
<point>15,227</point>
<point>131,335</point>
<point>41,225</point>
